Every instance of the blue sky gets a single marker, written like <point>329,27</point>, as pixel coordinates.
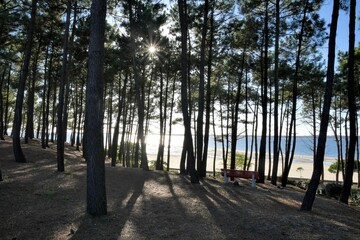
<point>342,37</point>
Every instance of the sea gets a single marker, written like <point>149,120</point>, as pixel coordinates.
<point>303,149</point>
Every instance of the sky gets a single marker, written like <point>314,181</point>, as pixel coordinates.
<point>342,42</point>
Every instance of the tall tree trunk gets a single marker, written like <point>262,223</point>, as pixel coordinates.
<point>1,104</point>
<point>95,157</point>
<point>63,79</point>
<point>139,93</point>
<point>214,132</point>
<point>110,113</point>
<point>235,120</point>
<point>122,149</point>
<point>80,116</point>
<point>269,136</point>
<point>184,101</point>
<point>290,148</point>
<point>262,152</point>
<point>160,155</point>
<point>276,95</point>
<point>68,70</point>
<point>122,92</point>
<point>318,163</point>
<point>7,102</point>
<point>47,111</point>
<point>170,122</point>
<point>208,94</point>
<point>45,88</point>
<point>19,155</point>
<point>53,112</point>
<point>246,121</point>
<point>29,132</point>
<point>75,113</point>
<point>200,115</point>
<point>346,191</point>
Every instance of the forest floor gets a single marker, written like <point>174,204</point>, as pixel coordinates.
<point>37,202</point>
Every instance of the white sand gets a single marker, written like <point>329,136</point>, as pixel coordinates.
<point>304,162</point>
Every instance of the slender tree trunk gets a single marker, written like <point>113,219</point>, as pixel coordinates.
<point>122,149</point>
<point>139,93</point>
<point>262,154</point>
<point>214,132</point>
<point>269,136</point>
<point>246,121</point>
<point>110,113</point>
<point>346,191</point>
<point>46,72</point>
<point>114,148</point>
<point>208,94</point>
<point>358,152</point>
<point>1,105</point>
<point>234,125</point>
<point>318,163</point>
<point>160,155</point>
<point>276,95</point>
<point>170,121</point>
<point>29,132</point>
<point>334,128</point>
<point>60,117</point>
<point>78,141</point>
<point>67,71</point>
<point>290,149</point>
<point>95,157</point>
<point>200,117</point>
<point>7,102</point>
<point>53,113</point>
<point>75,114</point>
<point>19,155</point>
<point>184,101</point>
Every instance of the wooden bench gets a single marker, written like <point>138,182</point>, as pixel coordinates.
<point>240,174</point>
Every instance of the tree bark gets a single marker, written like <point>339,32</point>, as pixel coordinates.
<point>44,91</point>
<point>235,120</point>
<point>60,117</point>
<point>318,163</point>
<point>346,191</point>
<point>7,101</point>
<point>262,150</point>
<point>208,93</point>
<point>19,155</point>
<point>184,101</point>
<point>139,93</point>
<point>95,157</point>
<point>200,116</point>
<point>29,132</point>
<point>1,105</point>
<point>290,148</point>
<point>276,96</point>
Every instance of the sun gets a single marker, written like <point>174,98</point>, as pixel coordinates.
<point>152,49</point>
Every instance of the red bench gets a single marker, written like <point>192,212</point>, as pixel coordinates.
<point>240,174</point>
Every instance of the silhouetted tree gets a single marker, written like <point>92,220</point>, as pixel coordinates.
<point>95,156</point>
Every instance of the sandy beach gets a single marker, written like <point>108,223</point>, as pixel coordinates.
<point>304,162</point>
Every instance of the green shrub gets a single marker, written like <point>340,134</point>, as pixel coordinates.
<point>333,167</point>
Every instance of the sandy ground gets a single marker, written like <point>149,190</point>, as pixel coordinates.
<point>36,202</point>
<point>304,162</point>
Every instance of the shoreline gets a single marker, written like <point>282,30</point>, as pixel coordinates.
<point>303,162</point>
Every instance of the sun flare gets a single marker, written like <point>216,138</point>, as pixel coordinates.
<point>152,49</point>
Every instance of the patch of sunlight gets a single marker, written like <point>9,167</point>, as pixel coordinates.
<point>288,202</point>
<point>339,224</point>
<point>129,231</point>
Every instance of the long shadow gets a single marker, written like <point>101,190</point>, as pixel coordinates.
<point>121,204</point>
<point>30,191</point>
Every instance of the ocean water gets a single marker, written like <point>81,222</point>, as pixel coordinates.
<point>303,145</point>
